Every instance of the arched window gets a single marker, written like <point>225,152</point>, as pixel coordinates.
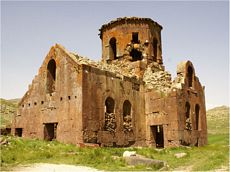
<point>187,107</point>
<point>110,122</point>
<point>190,76</point>
<point>109,105</point>
<point>51,76</point>
<point>188,125</point>
<point>155,49</point>
<point>126,108</point>
<point>127,117</point>
<point>197,112</point>
<point>113,49</point>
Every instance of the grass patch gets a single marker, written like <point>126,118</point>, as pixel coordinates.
<point>25,151</point>
<point>213,156</point>
<point>218,120</point>
<point>7,110</point>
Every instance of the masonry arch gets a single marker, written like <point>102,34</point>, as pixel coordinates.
<point>109,105</point>
<point>51,76</point>
<point>112,48</point>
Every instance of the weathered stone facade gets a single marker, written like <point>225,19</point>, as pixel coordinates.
<point>126,99</point>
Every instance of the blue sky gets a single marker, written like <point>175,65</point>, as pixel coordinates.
<point>196,31</point>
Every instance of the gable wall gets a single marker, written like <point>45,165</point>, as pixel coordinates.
<point>66,112</point>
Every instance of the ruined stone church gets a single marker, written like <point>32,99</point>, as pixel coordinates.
<point>126,99</point>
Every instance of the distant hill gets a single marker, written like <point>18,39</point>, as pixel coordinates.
<point>7,109</point>
<point>218,120</point>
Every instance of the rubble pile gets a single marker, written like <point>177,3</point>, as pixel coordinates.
<point>188,125</point>
<point>154,77</point>
<point>120,68</point>
<point>127,123</point>
<point>159,80</point>
<point>110,122</point>
<point>178,81</point>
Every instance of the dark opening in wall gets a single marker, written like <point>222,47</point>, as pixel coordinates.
<point>158,135</point>
<point>29,104</point>
<point>135,39</point>
<point>75,97</point>
<point>127,118</point>
<point>23,106</point>
<point>18,132</point>
<point>110,121</point>
<point>51,76</point>
<point>42,102</point>
<point>113,49</point>
<point>61,98</point>
<point>69,97</point>
<point>50,131</point>
<point>188,125</point>
<point>187,106</point>
<point>109,104</point>
<point>197,112</point>
<point>136,55</point>
<point>5,131</point>
<point>35,103</point>
<point>190,76</point>
<point>154,49</point>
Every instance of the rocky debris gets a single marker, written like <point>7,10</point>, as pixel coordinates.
<point>5,131</point>
<point>129,153</point>
<point>158,150</point>
<point>159,80</point>
<point>178,81</point>
<point>180,155</point>
<point>141,160</point>
<point>188,125</point>
<point>110,122</point>
<point>3,141</point>
<point>127,123</point>
<point>120,68</point>
<point>155,77</point>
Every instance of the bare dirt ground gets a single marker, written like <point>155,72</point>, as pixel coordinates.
<point>189,168</point>
<point>43,167</point>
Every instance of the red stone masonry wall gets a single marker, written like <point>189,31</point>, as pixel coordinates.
<point>124,100</point>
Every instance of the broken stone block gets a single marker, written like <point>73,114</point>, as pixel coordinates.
<point>129,153</point>
<point>141,160</point>
<point>180,155</point>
